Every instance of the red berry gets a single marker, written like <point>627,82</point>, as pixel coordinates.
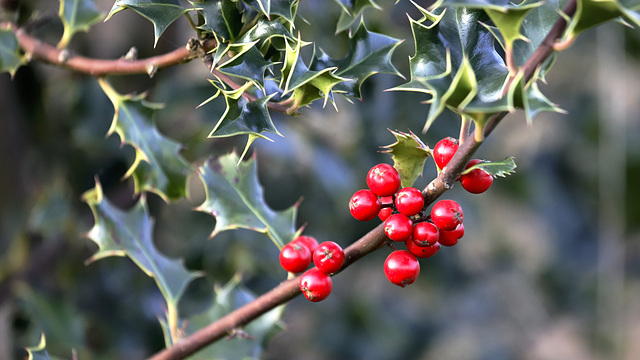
<point>444,151</point>
<point>401,268</point>
<point>422,251</point>
<point>385,212</point>
<point>328,257</point>
<point>409,201</point>
<point>383,180</point>
<point>315,285</point>
<point>446,215</point>
<point>425,234</point>
<point>295,257</point>
<point>477,181</point>
<point>398,227</point>
<point>310,242</point>
<point>364,205</point>
<point>450,238</point>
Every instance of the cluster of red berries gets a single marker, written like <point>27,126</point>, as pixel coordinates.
<point>328,257</point>
<point>403,213</point>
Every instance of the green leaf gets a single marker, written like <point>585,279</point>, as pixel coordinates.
<point>352,10</point>
<point>498,168</point>
<point>160,12</point>
<point>235,198</point>
<point>221,17</point>
<point>243,344</point>
<point>77,15</point>
<point>368,53</point>
<point>409,154</point>
<point>243,117</point>
<point>530,98</point>
<point>457,64</point>
<point>307,85</point>
<point>590,13</point>
<point>10,57</point>
<point>282,8</point>
<point>158,166</point>
<point>130,233</point>
<point>39,352</point>
<point>249,65</point>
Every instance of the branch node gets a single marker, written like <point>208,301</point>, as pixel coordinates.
<point>63,56</point>
<point>132,54</point>
<point>152,69</point>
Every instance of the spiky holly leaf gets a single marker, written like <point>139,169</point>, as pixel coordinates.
<point>161,13</point>
<point>472,4</point>
<point>282,8</point>
<point>368,53</point>
<point>158,165</point>
<point>590,13</point>
<point>495,168</point>
<point>464,73</point>
<point>130,233</point>
<point>306,85</point>
<point>271,33</point>
<point>409,154</point>
<point>235,198</point>
<point>39,352</point>
<point>77,15</point>
<point>352,11</point>
<point>222,17</point>
<point>250,65</point>
<point>243,117</point>
<point>10,57</point>
<point>242,344</point>
<point>529,98</point>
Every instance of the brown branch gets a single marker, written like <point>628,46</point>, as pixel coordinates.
<point>47,53</point>
<point>368,243</point>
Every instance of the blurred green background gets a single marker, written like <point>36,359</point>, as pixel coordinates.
<point>548,267</point>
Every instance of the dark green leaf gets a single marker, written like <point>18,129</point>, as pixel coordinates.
<point>77,15</point>
<point>158,166</point>
<point>409,154</point>
<point>246,343</point>
<point>160,12</point>
<point>282,8</point>
<point>530,98</point>
<point>130,233</point>
<point>590,13</point>
<point>368,53</point>
<point>352,11</point>
<point>10,57</point>
<point>235,197</point>
<point>249,65</point>
<point>457,64</point>
<point>243,117</point>
<point>497,168</point>
<point>39,352</point>
<point>222,17</point>
<point>307,85</point>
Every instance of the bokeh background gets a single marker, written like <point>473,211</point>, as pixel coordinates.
<point>548,267</point>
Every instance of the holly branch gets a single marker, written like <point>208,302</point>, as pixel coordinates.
<point>376,238</point>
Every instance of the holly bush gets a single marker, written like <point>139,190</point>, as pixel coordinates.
<point>207,141</point>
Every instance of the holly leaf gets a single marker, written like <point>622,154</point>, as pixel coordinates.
<point>590,13</point>
<point>368,53</point>
<point>161,13</point>
<point>250,65</point>
<point>38,352</point>
<point>307,85</point>
<point>243,117</point>
<point>497,168</point>
<point>235,198</point>
<point>351,11</point>
<point>409,154</point>
<point>529,98</point>
<point>222,17</point>
<point>241,344</point>
<point>76,15</point>
<point>130,233</point>
<point>158,166</point>
<point>282,8</point>
<point>463,73</point>
<point>10,57</point>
